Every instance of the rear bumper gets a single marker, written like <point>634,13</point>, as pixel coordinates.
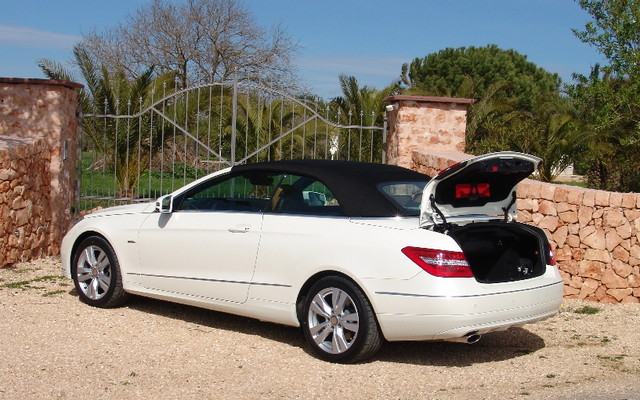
<point>448,317</point>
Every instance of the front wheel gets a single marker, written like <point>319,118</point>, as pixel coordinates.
<point>96,273</point>
<point>339,323</point>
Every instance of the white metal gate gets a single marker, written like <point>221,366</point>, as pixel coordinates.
<point>138,152</point>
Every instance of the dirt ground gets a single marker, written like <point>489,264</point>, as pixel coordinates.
<point>52,346</point>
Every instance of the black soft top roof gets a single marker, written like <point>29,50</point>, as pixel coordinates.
<point>355,184</point>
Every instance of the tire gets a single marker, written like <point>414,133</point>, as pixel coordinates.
<point>339,323</point>
<point>96,274</point>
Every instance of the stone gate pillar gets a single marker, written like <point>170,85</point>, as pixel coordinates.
<point>436,124</point>
<point>38,114</point>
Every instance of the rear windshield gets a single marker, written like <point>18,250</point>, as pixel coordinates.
<point>406,195</point>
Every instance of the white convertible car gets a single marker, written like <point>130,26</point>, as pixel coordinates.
<point>353,253</point>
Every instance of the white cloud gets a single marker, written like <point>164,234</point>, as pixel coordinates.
<point>27,38</point>
<point>378,66</point>
<point>320,72</point>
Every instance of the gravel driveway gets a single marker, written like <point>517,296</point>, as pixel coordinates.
<point>52,346</point>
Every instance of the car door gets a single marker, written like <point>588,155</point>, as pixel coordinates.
<point>207,245</point>
<point>303,219</point>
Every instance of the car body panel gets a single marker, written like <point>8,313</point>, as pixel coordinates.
<point>180,253</point>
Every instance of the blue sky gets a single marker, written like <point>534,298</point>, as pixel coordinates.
<point>369,39</point>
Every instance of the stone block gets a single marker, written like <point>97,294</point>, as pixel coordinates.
<point>621,269</point>
<point>613,281</point>
<point>573,240</point>
<point>547,207</point>
<point>612,240</point>
<point>625,231</point>
<point>589,198</point>
<point>619,294</point>
<point>547,191</point>
<point>563,207</point>
<point>563,253</point>
<point>599,294</point>
<point>613,218</point>
<point>615,199</point>
<point>606,299</point>
<point>549,223</point>
<point>585,215</point>
<point>632,215</point>
<point>570,267</point>
<point>571,292</point>
<point>619,253</point>
<point>560,235</point>
<point>529,188</point>
<point>561,194</point>
<point>630,299</point>
<point>593,237</point>
<point>576,282</point>
<point>569,217</point>
<point>590,269</point>
<point>602,198</point>
<point>575,195</point>
<point>597,255</point>
<point>629,200</point>
<point>525,204</point>
<point>589,287</point>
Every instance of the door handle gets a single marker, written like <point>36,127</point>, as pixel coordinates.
<point>239,229</point>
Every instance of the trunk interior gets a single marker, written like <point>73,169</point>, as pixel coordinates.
<point>503,251</point>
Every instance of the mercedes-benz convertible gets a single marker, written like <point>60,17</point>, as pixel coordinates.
<point>353,253</point>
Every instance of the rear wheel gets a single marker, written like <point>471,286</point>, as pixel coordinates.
<point>96,273</point>
<point>339,323</point>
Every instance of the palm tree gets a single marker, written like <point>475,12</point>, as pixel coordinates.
<point>364,106</point>
<point>552,131</point>
<point>126,144</point>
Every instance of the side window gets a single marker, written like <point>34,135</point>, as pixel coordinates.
<point>304,195</point>
<point>407,195</point>
<point>246,192</point>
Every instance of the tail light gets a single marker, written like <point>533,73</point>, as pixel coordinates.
<point>442,263</point>
<point>552,256</point>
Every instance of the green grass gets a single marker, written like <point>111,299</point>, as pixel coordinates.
<point>578,184</point>
<point>99,187</point>
<point>588,310</point>
<point>24,285</point>
<point>53,293</point>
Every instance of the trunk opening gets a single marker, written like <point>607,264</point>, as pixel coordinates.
<point>503,251</point>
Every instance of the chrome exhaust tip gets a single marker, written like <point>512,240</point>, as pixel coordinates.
<point>469,338</point>
<point>472,338</point>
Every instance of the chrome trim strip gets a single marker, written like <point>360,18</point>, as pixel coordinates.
<point>211,280</point>
<point>470,295</point>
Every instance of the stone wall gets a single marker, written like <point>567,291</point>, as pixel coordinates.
<point>595,234</point>
<point>36,113</point>
<point>25,200</point>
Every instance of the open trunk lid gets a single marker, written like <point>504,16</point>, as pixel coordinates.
<point>477,188</point>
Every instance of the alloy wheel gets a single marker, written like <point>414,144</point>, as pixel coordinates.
<point>93,272</point>
<point>333,320</point>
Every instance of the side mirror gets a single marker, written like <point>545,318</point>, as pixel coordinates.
<point>164,204</point>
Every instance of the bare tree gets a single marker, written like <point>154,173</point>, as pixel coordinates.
<point>199,40</point>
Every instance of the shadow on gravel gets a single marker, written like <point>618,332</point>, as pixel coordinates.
<point>496,346</point>
<point>218,320</point>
